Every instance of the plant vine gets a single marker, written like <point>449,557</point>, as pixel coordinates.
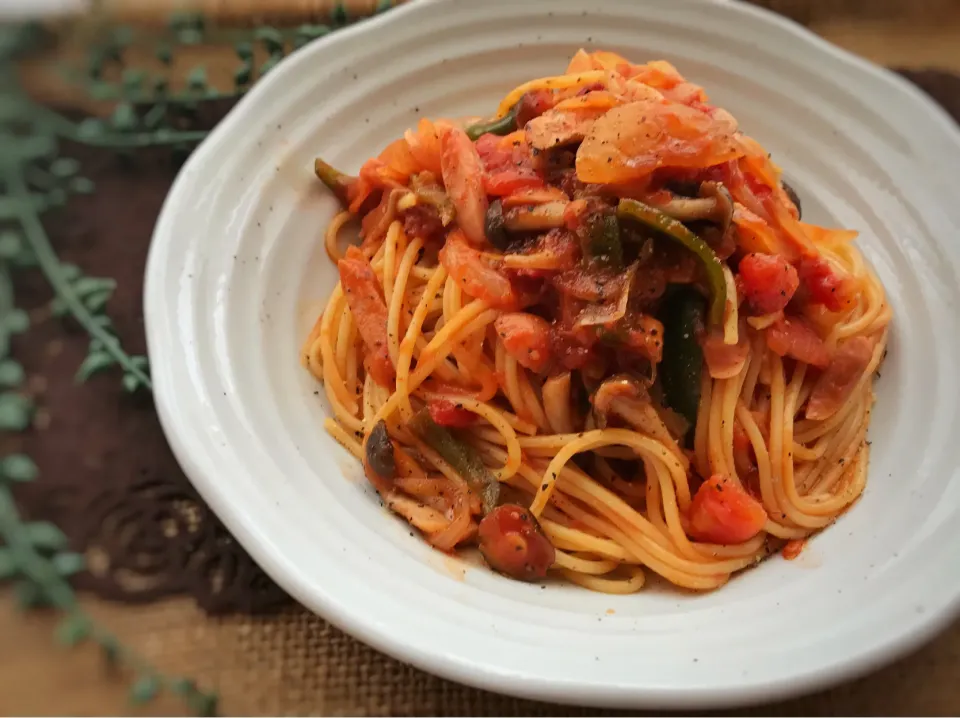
<point>35,557</point>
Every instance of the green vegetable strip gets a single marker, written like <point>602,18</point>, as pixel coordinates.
<point>605,240</point>
<point>461,457</point>
<point>335,180</point>
<point>682,365</point>
<point>654,218</point>
<point>503,126</point>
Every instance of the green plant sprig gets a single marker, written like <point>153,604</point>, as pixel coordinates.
<point>34,555</point>
<point>73,298</point>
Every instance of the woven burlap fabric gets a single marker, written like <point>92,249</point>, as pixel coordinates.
<point>296,664</point>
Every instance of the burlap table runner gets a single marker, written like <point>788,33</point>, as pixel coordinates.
<point>292,662</point>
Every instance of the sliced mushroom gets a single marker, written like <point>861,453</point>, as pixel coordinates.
<point>379,461</point>
<point>534,217</point>
<point>713,204</point>
<point>627,397</point>
<point>616,387</point>
<point>723,208</point>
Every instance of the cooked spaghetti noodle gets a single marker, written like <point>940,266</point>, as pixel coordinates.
<point>593,336</point>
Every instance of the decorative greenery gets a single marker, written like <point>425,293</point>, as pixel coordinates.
<point>35,177</point>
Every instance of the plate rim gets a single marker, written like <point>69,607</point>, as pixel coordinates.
<point>284,572</point>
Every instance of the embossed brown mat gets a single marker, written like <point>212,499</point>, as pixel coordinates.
<point>108,478</point>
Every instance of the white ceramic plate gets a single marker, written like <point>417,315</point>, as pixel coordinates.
<point>237,273</point>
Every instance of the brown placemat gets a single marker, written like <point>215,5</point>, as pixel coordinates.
<point>97,447</point>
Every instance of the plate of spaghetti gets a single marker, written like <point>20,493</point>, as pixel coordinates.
<point>608,363</point>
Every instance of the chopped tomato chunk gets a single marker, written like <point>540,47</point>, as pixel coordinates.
<point>533,104</point>
<point>768,282</point>
<point>508,164</point>
<point>446,413</point>
<point>825,285</point>
<point>723,513</point>
<point>526,337</point>
<point>369,310</point>
<point>793,337</point>
<point>513,544</point>
<point>506,182</point>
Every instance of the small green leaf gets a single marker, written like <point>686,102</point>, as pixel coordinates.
<point>68,563</point>
<point>34,147</point>
<point>339,15</point>
<point>95,66</point>
<point>30,595</point>
<point>164,53</point>
<point>25,259</point>
<point>96,301</point>
<point>102,320</point>
<point>204,704</point>
<point>73,629</point>
<point>91,128</point>
<point>161,85</point>
<point>18,467</point>
<point>131,382</point>
<point>154,116</point>
<point>144,690</point>
<point>81,185</point>
<point>110,650</point>
<point>69,271</point>
<point>197,78</point>
<point>112,51</point>
<point>140,362</point>
<point>183,686</point>
<point>97,345</point>
<point>8,566</point>
<point>190,36</point>
<point>132,79</point>
<point>243,75</point>
<point>122,36</point>
<point>124,117</point>
<point>89,285</point>
<point>56,197</point>
<point>16,321</point>
<point>95,362</point>
<point>271,38</point>
<point>11,374</point>
<point>384,5</point>
<point>64,167</point>
<point>11,244</point>
<point>59,307</point>
<point>44,536</point>
<point>268,64</point>
<point>102,91</point>
<point>16,411</point>
<point>244,50</point>
<point>312,32</point>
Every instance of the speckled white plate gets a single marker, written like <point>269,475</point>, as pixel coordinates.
<point>237,274</point>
